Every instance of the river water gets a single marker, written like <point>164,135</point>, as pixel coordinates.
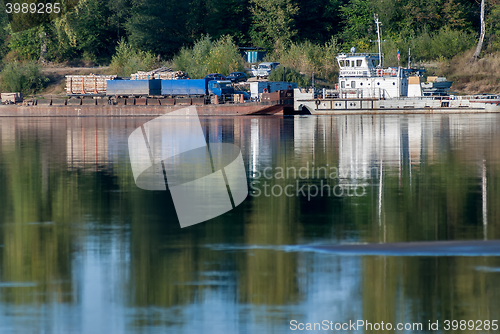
<point>84,250</point>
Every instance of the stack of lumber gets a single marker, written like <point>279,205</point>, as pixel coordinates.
<point>87,84</point>
<point>163,73</point>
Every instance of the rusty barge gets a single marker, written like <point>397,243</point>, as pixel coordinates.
<point>276,103</point>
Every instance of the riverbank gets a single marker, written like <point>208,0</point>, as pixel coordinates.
<point>470,77</point>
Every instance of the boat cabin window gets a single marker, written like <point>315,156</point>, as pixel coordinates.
<point>352,63</point>
<point>341,62</point>
<point>358,62</point>
<point>353,84</point>
<point>342,84</point>
<point>216,85</point>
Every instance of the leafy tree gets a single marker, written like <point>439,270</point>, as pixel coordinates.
<point>25,78</point>
<point>159,26</point>
<point>493,27</point>
<point>4,35</point>
<point>194,60</point>
<point>128,60</point>
<point>307,57</point>
<point>25,45</point>
<point>318,20</point>
<point>29,20</point>
<point>224,57</point>
<point>273,23</point>
<point>227,17</point>
<point>454,15</point>
<point>291,75</point>
<point>62,43</point>
<point>119,14</point>
<point>207,56</point>
<point>90,29</point>
<point>358,18</point>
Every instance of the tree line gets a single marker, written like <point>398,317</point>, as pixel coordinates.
<point>202,36</point>
<point>92,28</point>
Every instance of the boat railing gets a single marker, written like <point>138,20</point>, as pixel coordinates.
<point>454,97</point>
<point>358,54</point>
<point>360,93</point>
<point>384,72</point>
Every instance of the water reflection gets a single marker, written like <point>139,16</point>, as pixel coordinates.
<point>83,250</point>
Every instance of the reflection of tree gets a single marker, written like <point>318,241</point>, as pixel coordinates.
<point>429,288</point>
<point>431,191</point>
<point>43,206</point>
<point>37,207</point>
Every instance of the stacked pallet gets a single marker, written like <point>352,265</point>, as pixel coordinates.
<point>163,73</point>
<point>87,84</point>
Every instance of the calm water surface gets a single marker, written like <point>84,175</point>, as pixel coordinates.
<point>83,250</point>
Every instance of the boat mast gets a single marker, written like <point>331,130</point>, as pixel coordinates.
<point>409,57</point>
<point>377,22</point>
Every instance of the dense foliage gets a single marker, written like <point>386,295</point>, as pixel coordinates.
<point>128,60</point>
<point>289,75</point>
<point>25,78</point>
<point>208,56</point>
<point>202,35</point>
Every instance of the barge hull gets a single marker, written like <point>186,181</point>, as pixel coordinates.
<point>394,106</point>
<point>135,111</point>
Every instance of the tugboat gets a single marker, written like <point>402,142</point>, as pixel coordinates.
<point>365,86</point>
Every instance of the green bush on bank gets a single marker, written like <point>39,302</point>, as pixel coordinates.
<point>443,44</point>
<point>291,75</point>
<point>307,57</point>
<point>207,56</point>
<point>26,78</point>
<point>128,60</point>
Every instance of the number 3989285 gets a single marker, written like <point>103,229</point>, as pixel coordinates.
<point>38,8</point>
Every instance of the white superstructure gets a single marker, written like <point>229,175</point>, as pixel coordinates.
<point>360,76</point>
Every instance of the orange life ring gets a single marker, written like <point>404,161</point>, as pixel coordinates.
<point>289,87</point>
<point>394,71</point>
<point>265,90</point>
<point>380,72</point>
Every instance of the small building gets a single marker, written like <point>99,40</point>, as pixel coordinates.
<point>252,54</point>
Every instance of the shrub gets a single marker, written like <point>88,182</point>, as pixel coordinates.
<point>128,60</point>
<point>194,60</point>
<point>307,57</point>
<point>25,78</point>
<point>224,57</point>
<point>291,75</point>
<point>25,45</point>
<point>207,56</point>
<point>443,44</point>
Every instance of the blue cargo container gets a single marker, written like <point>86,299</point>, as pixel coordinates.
<point>184,87</point>
<point>155,87</point>
<point>133,87</point>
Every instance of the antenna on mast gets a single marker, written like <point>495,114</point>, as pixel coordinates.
<point>377,22</point>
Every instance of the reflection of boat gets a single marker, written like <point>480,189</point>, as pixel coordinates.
<point>365,86</point>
